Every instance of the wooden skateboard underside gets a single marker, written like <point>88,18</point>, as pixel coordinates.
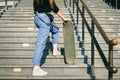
<point>69,43</point>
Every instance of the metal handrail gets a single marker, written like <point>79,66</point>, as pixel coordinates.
<point>110,43</point>
<point>116,4</point>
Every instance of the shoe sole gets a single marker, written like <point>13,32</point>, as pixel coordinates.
<point>40,74</point>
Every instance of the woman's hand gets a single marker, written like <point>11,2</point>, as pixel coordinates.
<point>65,20</point>
<point>62,17</point>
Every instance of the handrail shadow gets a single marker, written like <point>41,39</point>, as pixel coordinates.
<point>92,76</point>
<point>74,5</point>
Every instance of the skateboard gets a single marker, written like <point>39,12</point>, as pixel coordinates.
<point>69,42</point>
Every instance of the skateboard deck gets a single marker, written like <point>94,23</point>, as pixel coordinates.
<point>69,43</point>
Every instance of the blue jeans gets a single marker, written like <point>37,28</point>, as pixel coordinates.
<point>42,37</point>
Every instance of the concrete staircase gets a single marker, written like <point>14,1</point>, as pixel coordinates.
<point>17,43</point>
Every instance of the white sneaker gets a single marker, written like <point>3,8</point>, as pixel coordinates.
<point>56,52</point>
<point>39,72</point>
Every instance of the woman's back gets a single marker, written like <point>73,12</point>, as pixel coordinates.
<point>44,6</point>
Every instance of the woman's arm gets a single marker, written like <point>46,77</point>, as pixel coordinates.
<point>57,11</point>
<point>61,16</point>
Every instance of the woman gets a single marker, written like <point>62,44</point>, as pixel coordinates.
<point>43,22</point>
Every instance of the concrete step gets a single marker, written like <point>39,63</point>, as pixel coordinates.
<point>97,3</point>
<point>24,38</point>
<point>33,39</point>
<point>32,44</point>
<point>26,19</point>
<point>4,53</point>
<point>15,34</point>
<point>15,27</point>
<point>12,29</point>
<point>87,51</point>
<point>65,73</point>
<point>63,76</point>
<point>28,9</point>
<point>28,46</point>
<point>28,69</point>
<point>78,30</point>
<point>7,61</point>
<point>104,26</point>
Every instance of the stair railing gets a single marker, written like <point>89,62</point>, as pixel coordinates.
<point>108,63</point>
<point>16,2</point>
<point>112,3</point>
<point>116,3</point>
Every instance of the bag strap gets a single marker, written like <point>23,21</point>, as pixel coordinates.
<point>42,19</point>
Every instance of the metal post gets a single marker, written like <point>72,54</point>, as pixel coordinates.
<point>116,4</point>
<point>77,12</point>
<point>14,3</point>
<point>110,62</point>
<point>83,30</point>
<point>70,3</point>
<point>73,7</point>
<point>92,48</point>
<point>6,6</point>
<point>19,1</point>
<point>65,2</point>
